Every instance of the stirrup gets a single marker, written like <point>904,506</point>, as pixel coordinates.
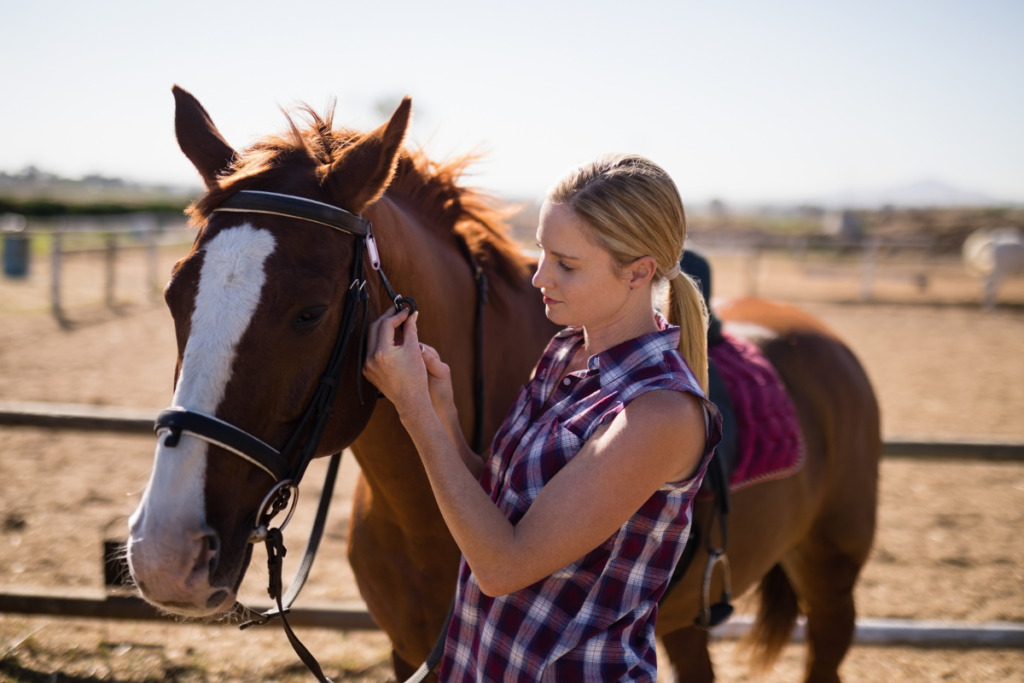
<point>718,613</point>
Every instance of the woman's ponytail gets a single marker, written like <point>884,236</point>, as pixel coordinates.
<point>686,308</point>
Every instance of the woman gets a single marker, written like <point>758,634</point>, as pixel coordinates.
<point>572,527</point>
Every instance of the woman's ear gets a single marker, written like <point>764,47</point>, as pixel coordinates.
<point>641,271</point>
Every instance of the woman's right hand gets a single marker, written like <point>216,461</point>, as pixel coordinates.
<point>393,359</point>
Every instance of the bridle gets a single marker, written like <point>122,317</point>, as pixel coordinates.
<point>305,438</point>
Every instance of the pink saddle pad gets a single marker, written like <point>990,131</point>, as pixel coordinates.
<point>768,441</point>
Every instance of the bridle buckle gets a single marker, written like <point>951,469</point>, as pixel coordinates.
<point>283,496</point>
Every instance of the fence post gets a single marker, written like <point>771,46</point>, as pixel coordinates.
<point>869,260</point>
<point>152,262</point>
<point>55,273</point>
<point>110,256</point>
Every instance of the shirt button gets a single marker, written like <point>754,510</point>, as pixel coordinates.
<point>566,381</point>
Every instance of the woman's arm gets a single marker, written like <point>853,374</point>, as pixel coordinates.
<point>658,438</point>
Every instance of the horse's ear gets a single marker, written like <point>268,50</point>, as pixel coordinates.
<point>373,159</point>
<point>199,139</point>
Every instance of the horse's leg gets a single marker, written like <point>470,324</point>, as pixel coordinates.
<point>988,298</point>
<point>688,655</point>
<point>992,284</point>
<point>823,574</point>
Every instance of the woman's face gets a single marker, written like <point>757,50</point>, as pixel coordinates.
<point>581,283</point>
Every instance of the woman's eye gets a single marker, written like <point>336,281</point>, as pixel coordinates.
<point>564,266</point>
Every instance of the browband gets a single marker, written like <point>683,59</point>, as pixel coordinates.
<point>289,206</point>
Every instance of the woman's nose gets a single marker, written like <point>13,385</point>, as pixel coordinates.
<point>539,278</point>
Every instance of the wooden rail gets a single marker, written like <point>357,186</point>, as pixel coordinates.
<point>347,616</point>
<point>126,421</point>
<point>352,616</point>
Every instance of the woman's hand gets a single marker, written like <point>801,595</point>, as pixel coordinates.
<point>415,379</point>
<point>394,361</point>
<point>439,383</point>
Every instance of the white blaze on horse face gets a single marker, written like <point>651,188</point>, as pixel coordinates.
<point>230,284</point>
<point>171,515</point>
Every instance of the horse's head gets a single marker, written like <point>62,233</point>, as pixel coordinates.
<point>258,306</point>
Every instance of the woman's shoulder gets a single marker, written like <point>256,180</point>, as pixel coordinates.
<point>668,404</point>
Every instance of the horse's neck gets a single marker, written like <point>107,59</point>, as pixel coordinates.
<point>422,265</point>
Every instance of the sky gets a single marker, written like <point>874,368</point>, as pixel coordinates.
<point>740,100</point>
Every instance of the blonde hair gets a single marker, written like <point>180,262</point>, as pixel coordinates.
<point>633,209</point>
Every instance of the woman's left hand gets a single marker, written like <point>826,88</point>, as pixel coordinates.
<point>394,360</point>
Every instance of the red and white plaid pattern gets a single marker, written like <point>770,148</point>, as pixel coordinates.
<point>594,619</point>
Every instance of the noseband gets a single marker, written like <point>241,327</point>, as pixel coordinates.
<point>281,465</point>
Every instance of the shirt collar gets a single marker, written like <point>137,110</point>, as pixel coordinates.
<point>622,357</point>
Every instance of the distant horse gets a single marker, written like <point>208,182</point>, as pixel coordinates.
<point>994,254</point>
<point>258,304</point>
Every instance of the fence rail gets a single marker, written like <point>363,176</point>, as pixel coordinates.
<point>80,417</point>
<point>104,236</point>
<point>352,616</point>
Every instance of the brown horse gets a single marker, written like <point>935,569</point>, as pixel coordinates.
<point>259,304</point>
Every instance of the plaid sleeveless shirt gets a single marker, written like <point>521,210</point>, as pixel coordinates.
<point>592,620</point>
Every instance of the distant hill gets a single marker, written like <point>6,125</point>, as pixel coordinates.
<point>924,193</point>
<point>32,183</point>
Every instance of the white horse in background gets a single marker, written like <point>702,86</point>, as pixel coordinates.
<point>994,254</point>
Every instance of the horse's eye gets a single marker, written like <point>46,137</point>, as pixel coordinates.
<point>309,317</point>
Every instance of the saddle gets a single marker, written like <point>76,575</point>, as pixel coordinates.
<point>760,441</point>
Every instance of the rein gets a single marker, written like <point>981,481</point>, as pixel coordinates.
<point>305,439</point>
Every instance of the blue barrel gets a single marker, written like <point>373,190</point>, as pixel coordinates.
<point>16,254</point>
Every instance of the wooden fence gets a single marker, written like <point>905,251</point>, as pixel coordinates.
<point>117,604</point>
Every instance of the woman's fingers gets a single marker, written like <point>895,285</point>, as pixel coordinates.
<point>432,359</point>
<point>381,334</point>
<point>410,335</point>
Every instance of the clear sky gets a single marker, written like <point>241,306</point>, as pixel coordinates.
<point>742,100</point>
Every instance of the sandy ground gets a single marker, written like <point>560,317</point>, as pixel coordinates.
<point>947,547</point>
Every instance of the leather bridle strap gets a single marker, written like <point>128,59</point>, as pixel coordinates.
<point>177,420</point>
<point>480,278</point>
<point>290,206</point>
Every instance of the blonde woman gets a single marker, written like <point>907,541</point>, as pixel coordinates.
<point>572,526</point>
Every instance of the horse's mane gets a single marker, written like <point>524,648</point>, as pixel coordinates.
<point>432,189</point>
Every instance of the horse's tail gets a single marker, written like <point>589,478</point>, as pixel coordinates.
<point>775,620</point>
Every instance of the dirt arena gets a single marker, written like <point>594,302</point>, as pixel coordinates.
<point>948,544</point>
